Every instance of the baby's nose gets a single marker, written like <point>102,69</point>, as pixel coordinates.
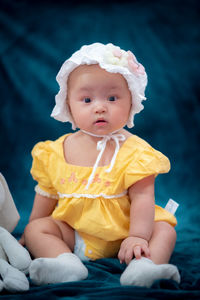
<point>100,107</point>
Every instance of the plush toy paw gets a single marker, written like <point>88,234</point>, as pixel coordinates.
<point>17,255</point>
<point>13,279</point>
<point>2,254</point>
<point>14,259</point>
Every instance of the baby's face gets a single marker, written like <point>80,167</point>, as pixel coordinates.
<point>99,101</point>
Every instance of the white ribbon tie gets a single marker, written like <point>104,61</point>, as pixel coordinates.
<point>101,145</point>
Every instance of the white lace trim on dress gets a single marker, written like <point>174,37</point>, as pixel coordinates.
<point>76,195</point>
<point>41,192</point>
<point>90,196</point>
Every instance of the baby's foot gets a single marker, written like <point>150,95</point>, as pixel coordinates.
<point>143,272</point>
<point>64,268</point>
<point>13,279</point>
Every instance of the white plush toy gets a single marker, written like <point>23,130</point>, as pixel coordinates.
<point>14,259</point>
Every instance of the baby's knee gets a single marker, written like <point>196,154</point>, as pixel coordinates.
<point>31,228</point>
<point>166,229</point>
<point>170,230</point>
<point>35,227</point>
<point>44,225</point>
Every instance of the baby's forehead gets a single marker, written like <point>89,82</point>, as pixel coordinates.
<point>84,69</point>
<point>86,73</point>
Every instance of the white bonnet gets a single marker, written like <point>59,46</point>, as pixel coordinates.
<point>112,59</point>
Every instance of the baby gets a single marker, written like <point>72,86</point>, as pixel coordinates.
<point>95,192</point>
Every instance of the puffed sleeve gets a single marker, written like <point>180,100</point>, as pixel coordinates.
<point>41,154</point>
<point>145,161</point>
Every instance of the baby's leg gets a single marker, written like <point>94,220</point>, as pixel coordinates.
<point>47,237</point>
<point>52,242</point>
<point>143,272</point>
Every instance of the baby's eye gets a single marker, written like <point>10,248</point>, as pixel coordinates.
<point>87,100</point>
<point>112,98</point>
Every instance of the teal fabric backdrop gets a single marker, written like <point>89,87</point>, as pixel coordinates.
<point>35,38</point>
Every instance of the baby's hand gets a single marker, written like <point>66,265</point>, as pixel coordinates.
<point>22,240</point>
<point>133,246</point>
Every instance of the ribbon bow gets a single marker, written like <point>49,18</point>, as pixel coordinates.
<point>101,145</point>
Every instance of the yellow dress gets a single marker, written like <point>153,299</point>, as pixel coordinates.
<point>99,214</point>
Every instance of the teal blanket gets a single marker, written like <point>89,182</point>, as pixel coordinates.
<point>35,38</point>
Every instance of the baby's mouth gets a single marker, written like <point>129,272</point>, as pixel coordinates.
<point>100,121</point>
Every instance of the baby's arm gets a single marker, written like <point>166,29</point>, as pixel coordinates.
<point>42,207</point>
<point>141,220</point>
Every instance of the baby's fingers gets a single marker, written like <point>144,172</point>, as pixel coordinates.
<point>126,255</point>
<point>141,250</point>
<point>129,255</point>
<point>22,240</point>
<point>121,256</point>
<point>146,251</point>
<point>137,251</point>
